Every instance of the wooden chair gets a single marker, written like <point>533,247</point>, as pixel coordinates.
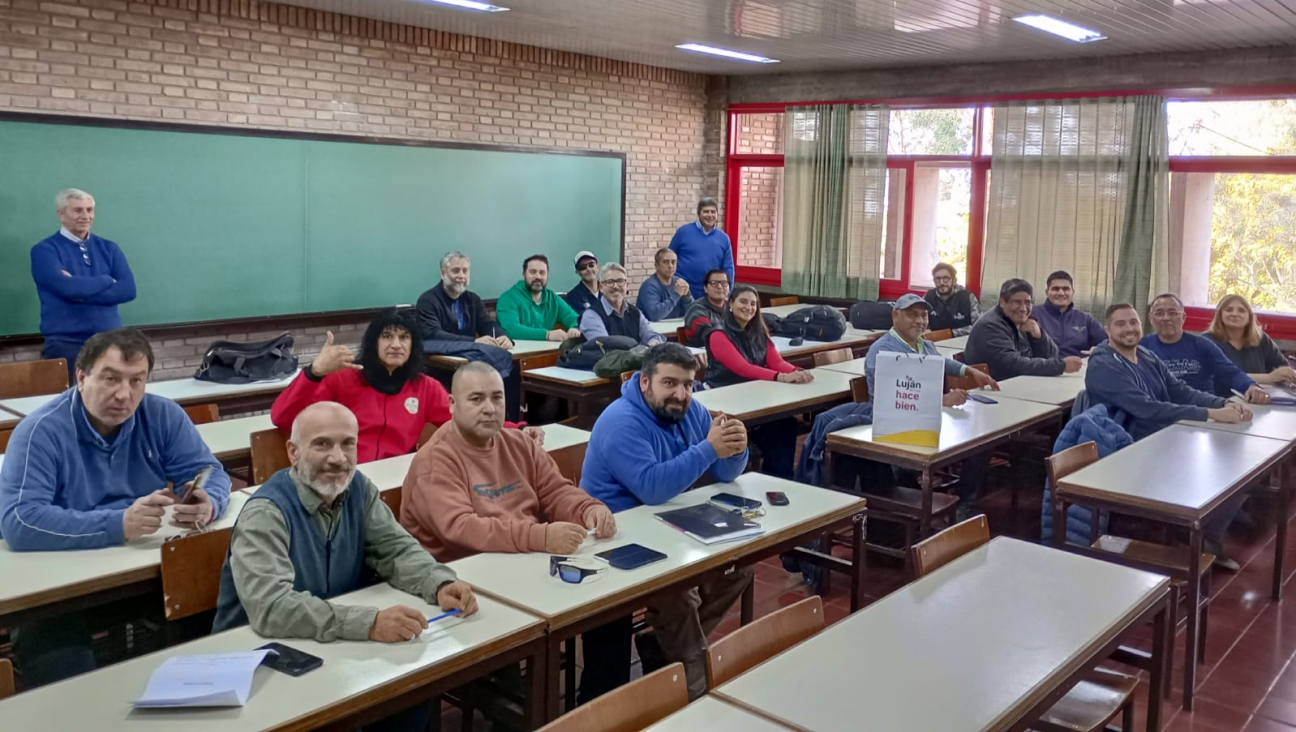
<point>625,375</point>
<point>966,383</point>
<point>935,336</point>
<point>570,460</point>
<point>837,355</point>
<point>630,708</point>
<point>269,454</point>
<point>33,378</point>
<point>429,429</point>
<point>5,434</point>
<point>1145,555</point>
<point>6,678</point>
<point>538,361</point>
<point>681,335</point>
<point>203,413</point>
<point>392,497</point>
<point>191,572</point>
<point>1090,704</point>
<point>760,640</point>
<point>784,300</point>
<point>859,389</point>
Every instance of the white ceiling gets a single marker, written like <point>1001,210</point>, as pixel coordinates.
<point>816,35</point>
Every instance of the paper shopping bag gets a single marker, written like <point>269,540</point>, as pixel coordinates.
<point>907,405</point>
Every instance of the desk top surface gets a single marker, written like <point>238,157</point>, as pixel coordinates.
<point>710,714</point>
<point>1270,421</point>
<point>959,426</point>
<point>759,397</point>
<point>991,633</point>
<point>228,436</point>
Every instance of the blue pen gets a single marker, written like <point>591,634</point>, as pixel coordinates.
<point>444,615</point>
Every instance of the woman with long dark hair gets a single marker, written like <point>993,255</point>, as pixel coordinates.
<point>386,388</point>
<point>739,348</point>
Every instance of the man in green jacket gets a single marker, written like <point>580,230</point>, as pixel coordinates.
<point>529,311</point>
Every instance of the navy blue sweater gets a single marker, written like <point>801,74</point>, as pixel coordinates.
<point>1147,393</point>
<point>1200,363</point>
<point>75,307</point>
<point>700,252</point>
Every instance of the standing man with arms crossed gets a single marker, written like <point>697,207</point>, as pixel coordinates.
<point>80,277</point>
<point>953,306</point>
<point>530,311</point>
<point>90,469</point>
<point>664,295</point>
<point>648,446</point>
<point>702,246</point>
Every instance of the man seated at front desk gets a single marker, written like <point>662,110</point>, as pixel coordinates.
<point>647,447</point>
<point>96,467</point>
<point>614,315</point>
<point>318,530</point>
<point>476,487</point>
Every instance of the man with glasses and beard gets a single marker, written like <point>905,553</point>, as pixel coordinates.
<point>650,445</point>
<point>317,530</point>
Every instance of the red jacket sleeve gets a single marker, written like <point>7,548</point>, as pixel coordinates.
<point>301,393</point>
<point>724,351</point>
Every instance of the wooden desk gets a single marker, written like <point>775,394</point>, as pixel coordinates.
<point>762,401</point>
<point>231,398</point>
<point>988,642</point>
<point>965,430</point>
<point>669,327</point>
<point>359,682</point>
<point>1278,423</point>
<point>959,342</point>
<point>856,340</point>
<point>587,392</point>
<point>520,349</point>
<point>568,610</point>
<point>953,352</point>
<point>1179,475</point>
<point>36,581</point>
<point>1056,390</point>
<point>230,440</point>
<point>23,406</point>
<point>710,714</point>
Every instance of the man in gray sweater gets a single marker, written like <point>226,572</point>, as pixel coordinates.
<point>1009,342</point>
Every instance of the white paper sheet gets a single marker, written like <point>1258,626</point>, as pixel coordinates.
<point>215,680</point>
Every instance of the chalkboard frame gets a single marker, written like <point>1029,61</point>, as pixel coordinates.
<point>299,318</point>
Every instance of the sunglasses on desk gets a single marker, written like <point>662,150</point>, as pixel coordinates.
<point>570,573</point>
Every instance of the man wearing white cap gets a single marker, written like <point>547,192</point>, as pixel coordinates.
<point>586,292</point>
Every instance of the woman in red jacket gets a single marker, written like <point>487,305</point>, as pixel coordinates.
<point>739,348</point>
<point>386,389</point>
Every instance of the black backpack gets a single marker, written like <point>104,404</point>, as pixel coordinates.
<point>869,315</point>
<point>815,323</point>
<point>227,362</point>
<point>584,355</point>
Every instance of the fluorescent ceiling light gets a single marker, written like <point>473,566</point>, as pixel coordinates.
<point>1069,31</point>
<point>472,5</point>
<point>699,48</point>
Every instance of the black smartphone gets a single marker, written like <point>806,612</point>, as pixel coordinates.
<point>729,500</point>
<point>630,556</point>
<point>776,498</point>
<point>981,398</point>
<point>289,660</point>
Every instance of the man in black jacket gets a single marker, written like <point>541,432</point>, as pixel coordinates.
<point>953,306</point>
<point>1010,343</point>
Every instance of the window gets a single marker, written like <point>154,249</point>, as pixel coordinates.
<point>760,211</point>
<point>1265,127</point>
<point>930,132</point>
<point>942,195</point>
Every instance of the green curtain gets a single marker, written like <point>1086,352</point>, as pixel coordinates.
<point>834,187</point>
<point>1080,185</point>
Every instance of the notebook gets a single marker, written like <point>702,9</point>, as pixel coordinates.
<point>710,524</point>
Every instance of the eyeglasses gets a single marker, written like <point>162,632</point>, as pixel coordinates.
<point>1166,313</point>
<point>616,282</point>
<point>718,283</point>
<point>590,264</point>
<point>570,573</point>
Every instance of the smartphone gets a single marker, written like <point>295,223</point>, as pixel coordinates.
<point>981,398</point>
<point>630,556</point>
<point>199,481</point>
<point>289,660</point>
<point>776,498</point>
<point>729,500</point>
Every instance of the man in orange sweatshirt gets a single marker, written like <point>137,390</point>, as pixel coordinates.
<point>475,488</point>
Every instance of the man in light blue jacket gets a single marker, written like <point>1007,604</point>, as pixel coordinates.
<point>665,295</point>
<point>98,466</point>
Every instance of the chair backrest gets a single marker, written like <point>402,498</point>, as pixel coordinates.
<point>6,678</point>
<point>966,383</point>
<point>191,572</point>
<point>681,335</point>
<point>631,707</point>
<point>836,355</point>
<point>784,300</point>
<point>33,378</point>
<point>859,389</point>
<point>757,641</point>
<point>392,497</point>
<point>538,361</point>
<point>570,460</point>
<point>269,454</point>
<point>1062,464</point>
<point>625,375</point>
<point>429,429</point>
<point>936,551</point>
<point>944,334</point>
<point>5,434</point>
<point>203,413</point>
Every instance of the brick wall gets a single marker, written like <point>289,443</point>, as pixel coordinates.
<point>241,63</point>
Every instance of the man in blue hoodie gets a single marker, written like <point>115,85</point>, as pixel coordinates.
<point>1195,359</point>
<point>1144,396</point>
<point>95,467</point>
<point>649,446</point>
<point>80,277</point>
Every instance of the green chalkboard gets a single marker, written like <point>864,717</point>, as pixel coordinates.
<point>220,225</point>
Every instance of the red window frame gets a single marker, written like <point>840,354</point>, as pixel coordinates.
<point>1281,327</point>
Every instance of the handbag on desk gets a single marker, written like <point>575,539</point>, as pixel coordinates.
<point>229,362</point>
